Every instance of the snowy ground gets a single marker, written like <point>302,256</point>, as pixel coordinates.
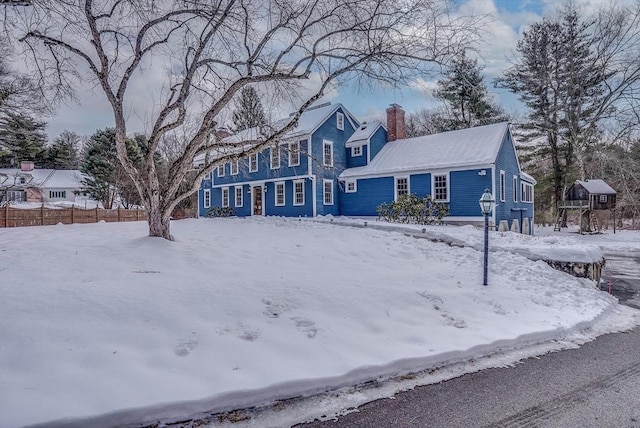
<point>104,326</point>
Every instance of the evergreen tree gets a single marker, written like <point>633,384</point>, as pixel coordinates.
<point>99,164</point>
<point>249,112</point>
<point>22,138</point>
<point>465,93</point>
<point>63,153</point>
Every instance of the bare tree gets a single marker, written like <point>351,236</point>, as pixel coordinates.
<point>212,49</point>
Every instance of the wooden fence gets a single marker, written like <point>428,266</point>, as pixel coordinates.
<point>18,217</point>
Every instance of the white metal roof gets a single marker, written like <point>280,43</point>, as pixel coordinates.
<point>597,186</point>
<point>453,149</point>
<point>43,178</point>
<point>363,133</point>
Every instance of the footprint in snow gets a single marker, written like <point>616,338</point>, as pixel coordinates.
<point>306,326</point>
<point>185,346</point>
<point>241,330</point>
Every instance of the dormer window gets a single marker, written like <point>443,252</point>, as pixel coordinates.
<point>23,180</point>
<point>356,151</point>
<point>340,121</point>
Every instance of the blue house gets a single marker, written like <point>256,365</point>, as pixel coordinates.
<point>335,165</point>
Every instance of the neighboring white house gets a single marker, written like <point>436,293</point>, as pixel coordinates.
<point>30,184</point>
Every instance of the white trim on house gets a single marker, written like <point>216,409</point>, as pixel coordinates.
<point>515,188</point>
<point>447,177</point>
<point>314,192</point>
<point>224,196</point>
<point>354,149</point>
<point>206,203</point>
<point>340,121</point>
<point>221,170</point>
<point>395,185</point>
<point>253,167</point>
<point>233,167</point>
<point>420,171</point>
<point>258,182</point>
<point>284,194</point>
<point>241,194</point>
<point>346,186</point>
<point>295,193</point>
<point>291,152</point>
<point>327,157</point>
<point>274,151</point>
<point>503,186</point>
<point>263,185</point>
<point>524,193</point>
<point>325,193</point>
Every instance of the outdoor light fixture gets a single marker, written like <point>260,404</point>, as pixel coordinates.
<point>486,205</point>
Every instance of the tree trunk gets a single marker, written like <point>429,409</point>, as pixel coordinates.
<point>159,221</point>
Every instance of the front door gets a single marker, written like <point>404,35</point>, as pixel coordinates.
<point>257,200</point>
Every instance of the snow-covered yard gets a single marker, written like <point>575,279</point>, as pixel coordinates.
<point>99,321</point>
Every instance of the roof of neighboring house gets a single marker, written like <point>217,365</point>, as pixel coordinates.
<point>597,186</point>
<point>43,178</point>
<point>453,149</point>
<point>307,123</point>
<point>363,133</point>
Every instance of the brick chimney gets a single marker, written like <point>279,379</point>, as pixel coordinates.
<point>396,129</point>
<point>26,166</point>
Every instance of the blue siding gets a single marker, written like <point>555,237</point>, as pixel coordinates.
<point>377,141</point>
<point>288,210</point>
<point>370,193</point>
<point>508,210</point>
<point>466,188</point>
<point>420,184</point>
<point>355,161</point>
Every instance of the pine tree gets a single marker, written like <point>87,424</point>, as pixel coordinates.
<point>22,139</point>
<point>465,93</point>
<point>63,153</point>
<point>99,165</point>
<point>249,112</point>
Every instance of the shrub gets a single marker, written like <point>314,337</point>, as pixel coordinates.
<point>412,209</point>
<point>220,212</point>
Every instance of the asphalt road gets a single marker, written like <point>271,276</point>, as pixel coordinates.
<point>596,385</point>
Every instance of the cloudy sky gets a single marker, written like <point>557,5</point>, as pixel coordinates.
<point>507,20</point>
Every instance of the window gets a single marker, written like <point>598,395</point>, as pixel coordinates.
<point>207,198</point>
<point>253,162</point>
<point>526,192</point>
<point>503,196</point>
<point>57,194</point>
<point>298,193</point>
<point>279,194</point>
<point>221,170</point>
<point>351,187</point>
<point>275,157</point>
<point>225,196</point>
<point>234,167</point>
<point>515,188</point>
<point>239,196</point>
<point>23,180</point>
<point>327,153</point>
<point>208,176</point>
<point>16,195</point>
<point>294,154</point>
<point>603,199</point>
<point>340,121</point>
<point>441,188</point>
<point>402,187</point>
<point>356,151</point>
<point>328,192</point>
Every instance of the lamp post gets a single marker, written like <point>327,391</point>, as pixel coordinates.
<point>486,205</point>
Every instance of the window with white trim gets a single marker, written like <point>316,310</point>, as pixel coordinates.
<point>351,187</point>
<point>239,196</point>
<point>526,192</point>
<point>402,186</point>
<point>207,198</point>
<point>356,151</point>
<point>234,167</point>
<point>253,162</point>
<point>207,176</point>
<point>340,121</point>
<point>503,191</point>
<point>221,170</point>
<point>327,150</point>
<point>225,196</point>
<point>23,180</point>
<point>441,187</point>
<point>602,199</point>
<point>298,192</point>
<point>279,194</point>
<point>275,157</point>
<point>515,188</point>
<point>57,194</point>
<point>294,153</point>
<point>328,192</point>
